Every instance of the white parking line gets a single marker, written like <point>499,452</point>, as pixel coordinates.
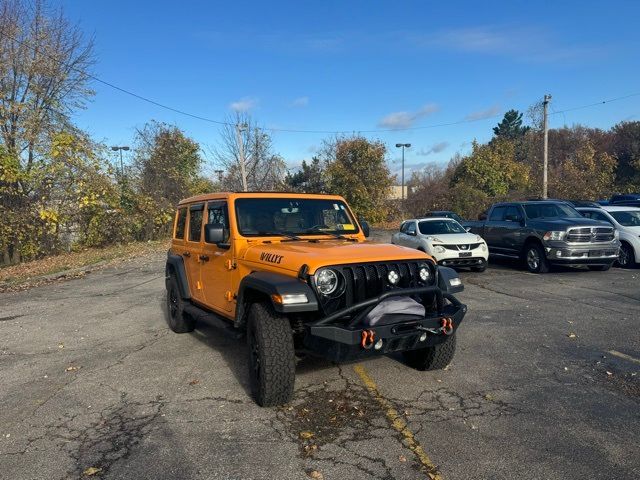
<point>624,356</point>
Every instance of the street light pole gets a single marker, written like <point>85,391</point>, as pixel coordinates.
<point>117,148</point>
<point>403,146</point>
<point>545,167</point>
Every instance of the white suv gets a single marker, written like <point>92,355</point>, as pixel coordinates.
<point>627,221</point>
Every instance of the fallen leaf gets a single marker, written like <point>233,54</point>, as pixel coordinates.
<point>72,368</point>
<point>61,345</point>
<point>306,435</point>
<point>609,373</point>
<point>91,471</point>
<point>402,458</point>
<point>572,335</point>
<point>316,475</point>
<point>489,397</point>
<point>194,382</point>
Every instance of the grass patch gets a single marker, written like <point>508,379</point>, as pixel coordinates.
<point>28,274</point>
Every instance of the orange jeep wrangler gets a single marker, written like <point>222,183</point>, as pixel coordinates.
<point>296,275</point>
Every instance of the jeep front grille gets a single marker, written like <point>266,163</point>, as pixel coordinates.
<point>590,234</point>
<point>464,247</point>
<point>367,280</point>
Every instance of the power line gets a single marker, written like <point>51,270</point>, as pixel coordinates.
<point>289,130</point>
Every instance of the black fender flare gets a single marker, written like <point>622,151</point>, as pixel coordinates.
<point>268,284</point>
<point>175,263</point>
<point>445,275</point>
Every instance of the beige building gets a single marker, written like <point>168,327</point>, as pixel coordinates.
<point>395,193</point>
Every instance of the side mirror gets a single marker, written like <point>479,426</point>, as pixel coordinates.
<point>482,216</point>
<point>214,233</point>
<point>365,228</point>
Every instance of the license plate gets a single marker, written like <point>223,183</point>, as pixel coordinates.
<point>596,253</point>
<point>465,254</point>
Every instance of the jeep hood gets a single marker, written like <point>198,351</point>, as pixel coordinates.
<point>292,255</point>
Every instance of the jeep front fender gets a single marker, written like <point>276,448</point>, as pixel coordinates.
<point>268,284</point>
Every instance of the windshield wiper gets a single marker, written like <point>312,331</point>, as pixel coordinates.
<point>281,234</point>
<point>320,231</point>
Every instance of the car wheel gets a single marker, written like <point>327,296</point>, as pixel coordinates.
<point>179,320</point>
<point>626,257</point>
<point>599,268</point>
<point>272,361</point>
<point>432,358</point>
<point>536,259</point>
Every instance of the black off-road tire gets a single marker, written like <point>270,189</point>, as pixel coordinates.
<point>272,361</point>
<point>599,268</point>
<point>432,358</point>
<point>179,320</point>
<point>535,259</point>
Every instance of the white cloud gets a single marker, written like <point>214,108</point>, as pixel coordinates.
<point>435,148</point>
<point>482,114</point>
<point>244,104</point>
<point>300,102</point>
<point>397,120</point>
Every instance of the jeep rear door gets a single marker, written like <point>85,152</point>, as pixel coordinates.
<point>193,249</point>
<point>216,262</point>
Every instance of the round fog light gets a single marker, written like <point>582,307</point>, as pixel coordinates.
<point>423,337</point>
<point>378,344</point>
<point>393,277</point>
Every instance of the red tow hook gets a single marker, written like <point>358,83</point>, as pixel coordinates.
<point>447,326</point>
<point>367,339</point>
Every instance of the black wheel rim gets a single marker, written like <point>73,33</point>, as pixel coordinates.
<point>173,303</point>
<point>255,357</point>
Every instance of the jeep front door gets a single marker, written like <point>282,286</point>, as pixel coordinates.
<point>216,262</point>
<point>193,249</point>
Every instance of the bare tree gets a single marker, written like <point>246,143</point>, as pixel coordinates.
<point>265,170</point>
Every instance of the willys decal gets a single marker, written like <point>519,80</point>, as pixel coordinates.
<point>271,257</point>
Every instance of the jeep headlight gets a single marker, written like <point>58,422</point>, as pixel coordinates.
<point>424,273</point>
<point>326,281</point>
<point>554,235</point>
<point>438,249</point>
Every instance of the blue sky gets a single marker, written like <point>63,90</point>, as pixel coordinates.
<point>359,66</point>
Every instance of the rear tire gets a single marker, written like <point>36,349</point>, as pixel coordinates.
<point>599,268</point>
<point>272,361</point>
<point>535,259</point>
<point>436,357</point>
<point>179,320</point>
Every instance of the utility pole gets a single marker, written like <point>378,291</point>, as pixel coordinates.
<point>243,172</point>
<point>545,126</point>
<point>403,146</point>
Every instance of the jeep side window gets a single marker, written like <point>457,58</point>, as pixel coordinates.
<point>497,214</point>
<point>217,213</point>
<point>195,222</point>
<point>180,223</point>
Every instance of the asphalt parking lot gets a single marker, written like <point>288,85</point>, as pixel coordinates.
<point>544,385</point>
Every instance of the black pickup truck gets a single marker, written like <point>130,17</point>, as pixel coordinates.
<point>544,233</point>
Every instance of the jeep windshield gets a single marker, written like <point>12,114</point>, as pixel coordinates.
<point>293,216</point>
<point>550,210</point>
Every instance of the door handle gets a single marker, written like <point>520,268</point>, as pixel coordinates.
<point>204,258</point>
<point>186,254</point>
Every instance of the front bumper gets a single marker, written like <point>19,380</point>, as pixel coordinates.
<point>340,338</point>
<point>593,255</point>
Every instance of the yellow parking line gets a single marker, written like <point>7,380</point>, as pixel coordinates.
<point>624,356</point>
<point>398,424</point>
